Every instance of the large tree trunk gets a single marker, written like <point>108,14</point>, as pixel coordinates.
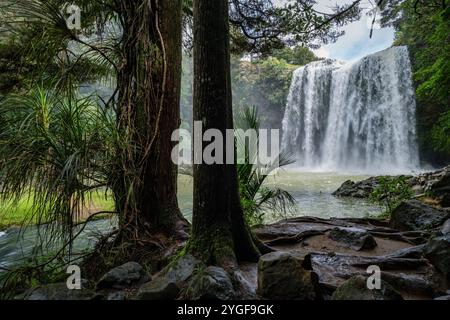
<point>219,233</point>
<point>149,84</point>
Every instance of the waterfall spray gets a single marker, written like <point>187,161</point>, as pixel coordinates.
<point>357,116</point>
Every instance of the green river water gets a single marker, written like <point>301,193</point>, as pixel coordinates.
<point>311,190</point>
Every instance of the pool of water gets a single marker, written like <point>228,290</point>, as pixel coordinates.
<point>311,190</point>
<point>313,194</point>
<point>17,244</point>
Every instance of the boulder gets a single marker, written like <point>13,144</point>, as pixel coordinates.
<point>158,289</point>
<point>181,269</point>
<point>437,182</point>
<point>356,288</point>
<point>281,276</point>
<point>406,270</point>
<point>58,291</point>
<point>360,189</point>
<point>169,282</point>
<point>213,283</point>
<point>116,296</point>
<point>438,252</point>
<point>441,185</point>
<point>127,275</point>
<point>355,238</point>
<point>415,215</point>
<point>446,227</point>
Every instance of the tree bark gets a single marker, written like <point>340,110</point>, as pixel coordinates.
<point>149,83</point>
<point>220,234</point>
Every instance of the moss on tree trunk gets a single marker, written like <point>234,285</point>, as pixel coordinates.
<point>220,234</point>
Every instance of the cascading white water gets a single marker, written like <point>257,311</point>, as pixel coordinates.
<point>357,116</point>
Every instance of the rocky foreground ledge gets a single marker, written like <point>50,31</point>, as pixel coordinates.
<point>315,259</point>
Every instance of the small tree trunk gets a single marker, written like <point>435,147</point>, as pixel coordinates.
<point>149,85</point>
<point>219,233</point>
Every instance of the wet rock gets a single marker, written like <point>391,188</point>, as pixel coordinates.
<point>357,239</point>
<point>446,227</point>
<point>406,270</point>
<point>182,269</point>
<point>58,291</point>
<point>169,282</point>
<point>415,215</point>
<point>126,275</point>
<point>291,230</point>
<point>158,289</point>
<point>281,276</point>
<point>356,288</point>
<point>244,288</point>
<point>438,252</point>
<point>116,296</point>
<point>360,189</point>
<point>441,184</point>
<point>211,284</point>
<point>438,182</point>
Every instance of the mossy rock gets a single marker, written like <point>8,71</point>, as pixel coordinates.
<point>356,288</point>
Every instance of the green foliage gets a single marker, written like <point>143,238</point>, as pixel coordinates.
<point>260,26</point>
<point>256,199</point>
<point>34,271</point>
<point>440,133</point>
<point>390,192</point>
<point>17,213</point>
<point>297,56</point>
<point>37,48</point>
<point>433,60</point>
<point>56,152</point>
<point>425,29</point>
<point>264,83</point>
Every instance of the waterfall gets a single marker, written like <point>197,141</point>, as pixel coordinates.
<point>357,116</point>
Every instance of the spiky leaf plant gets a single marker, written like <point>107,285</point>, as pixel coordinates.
<point>258,199</point>
<point>56,152</point>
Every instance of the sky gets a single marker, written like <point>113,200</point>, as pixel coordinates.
<point>356,43</point>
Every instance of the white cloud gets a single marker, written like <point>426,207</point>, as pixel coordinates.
<point>356,42</point>
<point>322,52</point>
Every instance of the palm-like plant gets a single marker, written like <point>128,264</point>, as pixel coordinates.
<point>56,152</point>
<point>51,54</point>
<point>258,199</point>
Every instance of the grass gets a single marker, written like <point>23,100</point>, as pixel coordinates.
<point>18,214</point>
